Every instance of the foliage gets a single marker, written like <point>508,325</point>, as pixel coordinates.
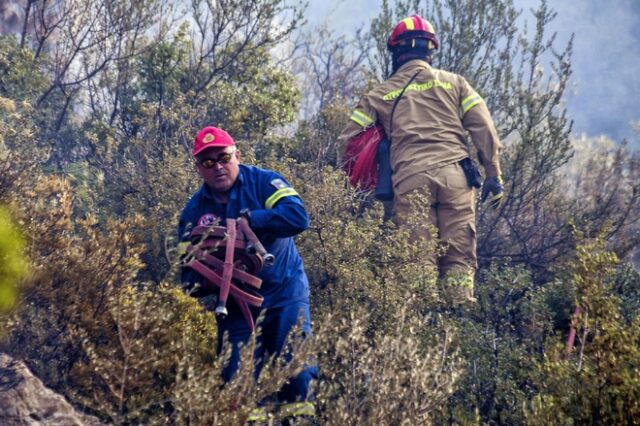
<point>198,396</point>
<point>604,181</point>
<point>20,78</point>
<point>352,256</point>
<point>15,173</point>
<point>94,167</point>
<point>597,381</point>
<point>396,377</point>
<point>13,266</point>
<point>152,333</point>
<point>317,138</point>
<point>75,268</point>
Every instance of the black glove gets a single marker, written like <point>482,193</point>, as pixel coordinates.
<point>493,185</point>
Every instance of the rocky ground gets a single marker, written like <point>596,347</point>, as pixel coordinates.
<point>24,400</point>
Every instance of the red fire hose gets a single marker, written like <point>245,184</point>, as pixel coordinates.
<point>229,258</point>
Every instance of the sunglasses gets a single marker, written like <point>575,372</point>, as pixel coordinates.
<point>224,158</point>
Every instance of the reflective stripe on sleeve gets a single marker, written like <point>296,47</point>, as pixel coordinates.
<point>470,102</point>
<point>182,247</point>
<point>361,118</point>
<point>258,414</point>
<point>276,196</point>
<point>295,409</point>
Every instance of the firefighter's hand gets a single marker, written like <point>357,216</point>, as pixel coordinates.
<point>245,215</point>
<point>493,185</point>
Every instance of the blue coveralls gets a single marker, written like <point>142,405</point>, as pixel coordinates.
<point>277,214</point>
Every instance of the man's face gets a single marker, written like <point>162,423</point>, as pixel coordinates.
<point>219,167</point>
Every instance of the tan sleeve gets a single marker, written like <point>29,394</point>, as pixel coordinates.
<point>362,117</point>
<point>476,119</point>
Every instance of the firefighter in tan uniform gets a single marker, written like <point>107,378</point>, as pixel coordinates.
<point>427,145</point>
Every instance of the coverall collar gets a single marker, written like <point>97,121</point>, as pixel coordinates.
<point>413,64</point>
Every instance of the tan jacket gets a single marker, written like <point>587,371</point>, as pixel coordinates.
<point>429,120</point>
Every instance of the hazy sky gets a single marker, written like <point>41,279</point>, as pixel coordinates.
<point>604,95</point>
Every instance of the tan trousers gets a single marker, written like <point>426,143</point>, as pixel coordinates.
<point>453,213</point>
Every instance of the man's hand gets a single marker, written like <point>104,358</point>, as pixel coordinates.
<point>245,214</point>
<point>493,185</point>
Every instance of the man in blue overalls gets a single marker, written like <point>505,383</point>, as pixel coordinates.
<point>275,213</point>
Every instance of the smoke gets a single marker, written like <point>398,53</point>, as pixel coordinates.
<point>10,16</point>
<point>606,79</point>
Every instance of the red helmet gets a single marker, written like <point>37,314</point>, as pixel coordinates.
<point>411,28</point>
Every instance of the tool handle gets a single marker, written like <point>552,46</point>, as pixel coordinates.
<point>255,244</point>
<point>227,269</point>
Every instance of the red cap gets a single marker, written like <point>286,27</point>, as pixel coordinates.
<point>211,137</point>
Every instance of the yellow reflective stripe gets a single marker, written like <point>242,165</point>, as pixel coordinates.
<point>298,409</point>
<point>470,102</point>
<point>496,198</point>
<point>458,279</point>
<point>419,87</point>
<point>258,414</point>
<point>182,247</point>
<point>361,118</point>
<point>276,196</point>
<point>409,23</point>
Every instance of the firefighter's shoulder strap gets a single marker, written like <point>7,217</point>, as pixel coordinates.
<point>384,185</point>
<point>395,104</point>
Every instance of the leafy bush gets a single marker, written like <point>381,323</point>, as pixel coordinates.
<point>595,382</point>
<point>95,166</point>
<point>13,266</point>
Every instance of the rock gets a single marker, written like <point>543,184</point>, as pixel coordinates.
<point>25,400</point>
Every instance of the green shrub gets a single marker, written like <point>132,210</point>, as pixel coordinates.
<point>13,265</point>
<point>595,381</point>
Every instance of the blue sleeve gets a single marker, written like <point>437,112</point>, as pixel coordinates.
<point>283,214</point>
